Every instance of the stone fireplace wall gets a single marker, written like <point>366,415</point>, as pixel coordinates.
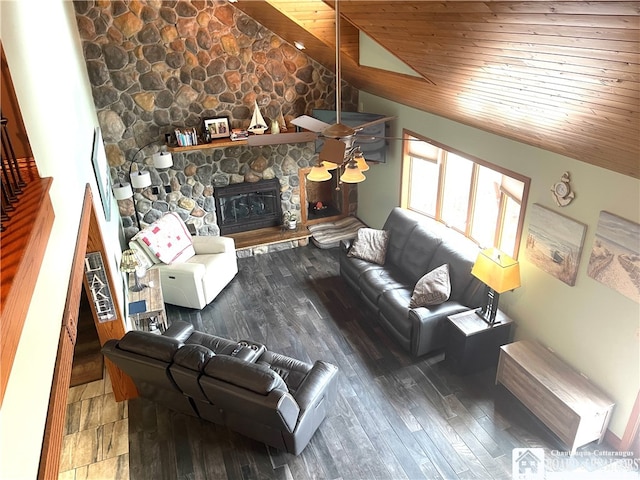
<point>158,65</point>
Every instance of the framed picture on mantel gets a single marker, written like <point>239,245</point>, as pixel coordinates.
<point>217,127</point>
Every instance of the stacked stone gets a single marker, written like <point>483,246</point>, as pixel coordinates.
<point>154,66</point>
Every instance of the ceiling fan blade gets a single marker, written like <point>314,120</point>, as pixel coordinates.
<point>309,123</point>
<point>360,138</point>
<point>279,138</point>
<point>374,122</point>
<point>333,151</point>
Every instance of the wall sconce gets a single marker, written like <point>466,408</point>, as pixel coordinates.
<point>140,179</point>
<point>500,273</point>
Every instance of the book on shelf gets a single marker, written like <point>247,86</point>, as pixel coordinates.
<point>239,134</point>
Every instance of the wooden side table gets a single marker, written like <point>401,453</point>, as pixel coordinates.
<point>151,313</point>
<point>472,344</point>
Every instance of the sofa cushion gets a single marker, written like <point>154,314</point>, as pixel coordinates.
<point>460,254</point>
<point>168,239</point>
<point>400,223</point>
<point>193,357</point>
<point>418,250</point>
<point>370,245</point>
<point>219,345</point>
<point>393,308</point>
<point>158,347</point>
<point>292,371</point>
<point>432,289</point>
<point>376,281</point>
<point>257,378</point>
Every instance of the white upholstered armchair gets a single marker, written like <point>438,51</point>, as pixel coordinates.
<point>193,270</point>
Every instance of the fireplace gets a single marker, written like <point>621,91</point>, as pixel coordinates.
<point>248,206</point>
<point>335,202</point>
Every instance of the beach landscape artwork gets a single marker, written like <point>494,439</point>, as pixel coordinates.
<point>554,243</point>
<point>615,256</point>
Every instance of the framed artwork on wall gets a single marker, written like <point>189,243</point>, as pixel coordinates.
<point>554,243</point>
<point>101,171</point>
<point>615,255</point>
<point>217,127</point>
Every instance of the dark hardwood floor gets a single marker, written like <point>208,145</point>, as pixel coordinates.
<point>396,417</point>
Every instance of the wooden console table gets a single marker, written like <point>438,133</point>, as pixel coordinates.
<point>154,303</point>
<point>572,407</point>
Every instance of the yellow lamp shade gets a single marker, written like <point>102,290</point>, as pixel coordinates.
<point>361,162</point>
<point>318,174</point>
<point>497,270</point>
<point>352,174</point>
<point>329,165</point>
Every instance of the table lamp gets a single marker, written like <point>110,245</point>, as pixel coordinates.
<point>129,264</point>
<point>500,273</point>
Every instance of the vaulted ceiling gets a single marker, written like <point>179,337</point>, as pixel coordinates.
<point>560,75</point>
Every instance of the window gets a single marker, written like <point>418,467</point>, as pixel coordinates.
<point>480,200</point>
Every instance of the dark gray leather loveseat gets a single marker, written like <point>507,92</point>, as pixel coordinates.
<point>417,245</point>
<point>269,397</point>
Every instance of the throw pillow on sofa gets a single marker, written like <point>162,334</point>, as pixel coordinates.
<point>370,245</point>
<point>433,288</point>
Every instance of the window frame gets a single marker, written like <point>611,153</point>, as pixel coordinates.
<point>406,172</point>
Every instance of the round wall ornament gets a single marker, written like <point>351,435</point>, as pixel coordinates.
<point>562,192</point>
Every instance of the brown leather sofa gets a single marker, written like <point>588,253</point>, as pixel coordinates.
<point>269,397</point>
<point>416,246</point>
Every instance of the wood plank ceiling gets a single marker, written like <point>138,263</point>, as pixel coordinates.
<point>560,75</point>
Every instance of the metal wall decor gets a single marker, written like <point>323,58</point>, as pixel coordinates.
<point>99,287</point>
<point>561,191</point>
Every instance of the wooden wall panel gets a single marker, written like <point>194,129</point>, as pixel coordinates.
<point>560,75</point>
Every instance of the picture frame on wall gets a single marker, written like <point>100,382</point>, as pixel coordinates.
<point>217,127</point>
<point>101,172</point>
<point>554,243</point>
<point>615,256</point>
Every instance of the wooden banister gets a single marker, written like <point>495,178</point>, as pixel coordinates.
<point>23,248</point>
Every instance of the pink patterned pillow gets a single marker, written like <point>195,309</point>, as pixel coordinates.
<point>168,239</point>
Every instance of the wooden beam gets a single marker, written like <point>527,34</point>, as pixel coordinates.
<point>123,386</point>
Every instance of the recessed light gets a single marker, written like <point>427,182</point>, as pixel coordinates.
<point>299,45</point>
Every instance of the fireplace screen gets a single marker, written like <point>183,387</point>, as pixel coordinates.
<point>248,206</point>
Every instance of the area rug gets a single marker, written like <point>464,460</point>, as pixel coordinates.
<point>329,235</point>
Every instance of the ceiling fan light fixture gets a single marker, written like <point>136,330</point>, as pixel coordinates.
<point>338,130</point>
<point>360,161</point>
<point>352,174</point>
<point>318,173</point>
<point>329,165</point>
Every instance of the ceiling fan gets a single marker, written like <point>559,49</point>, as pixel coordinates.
<point>338,147</point>
<point>338,150</point>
